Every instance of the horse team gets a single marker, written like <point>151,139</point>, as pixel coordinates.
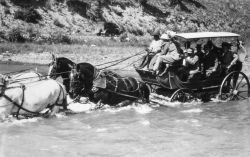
<point>29,94</point>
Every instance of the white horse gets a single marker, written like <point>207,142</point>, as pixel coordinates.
<point>31,98</point>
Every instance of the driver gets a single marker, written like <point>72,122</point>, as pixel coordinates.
<point>152,50</point>
<point>170,52</point>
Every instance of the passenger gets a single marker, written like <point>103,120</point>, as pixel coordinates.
<point>227,58</point>
<point>191,63</point>
<point>187,46</point>
<point>170,52</point>
<point>241,54</point>
<point>210,61</point>
<point>152,50</point>
<point>200,53</point>
<point>212,48</point>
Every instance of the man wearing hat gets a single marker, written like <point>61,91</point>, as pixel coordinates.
<point>169,53</point>
<point>154,48</point>
<point>226,57</point>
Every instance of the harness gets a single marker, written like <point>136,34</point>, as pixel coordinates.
<point>20,106</point>
<point>125,93</point>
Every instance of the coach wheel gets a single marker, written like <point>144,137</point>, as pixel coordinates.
<point>182,95</point>
<point>235,86</point>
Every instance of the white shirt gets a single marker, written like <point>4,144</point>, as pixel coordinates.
<point>155,46</point>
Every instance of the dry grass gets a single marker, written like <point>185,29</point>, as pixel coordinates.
<point>40,54</point>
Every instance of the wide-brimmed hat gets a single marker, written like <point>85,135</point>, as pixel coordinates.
<point>165,37</point>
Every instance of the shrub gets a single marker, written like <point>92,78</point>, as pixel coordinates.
<point>2,34</point>
<point>60,37</point>
<point>33,33</point>
<point>29,15</point>
<point>16,35</point>
<point>4,3</point>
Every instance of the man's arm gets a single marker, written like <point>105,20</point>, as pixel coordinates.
<point>216,63</point>
<point>165,49</point>
<point>236,57</point>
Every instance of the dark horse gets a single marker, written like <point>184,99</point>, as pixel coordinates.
<point>105,86</point>
<point>61,67</point>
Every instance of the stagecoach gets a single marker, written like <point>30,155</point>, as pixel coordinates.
<point>230,86</point>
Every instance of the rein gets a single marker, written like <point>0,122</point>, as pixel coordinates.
<point>119,61</point>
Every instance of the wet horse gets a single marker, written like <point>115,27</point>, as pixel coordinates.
<point>61,66</point>
<point>106,87</point>
<point>30,98</point>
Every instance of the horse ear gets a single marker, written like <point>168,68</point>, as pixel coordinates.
<point>53,56</point>
<point>72,66</point>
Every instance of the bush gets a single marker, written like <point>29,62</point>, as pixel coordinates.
<point>30,15</point>
<point>16,35</point>
<point>2,34</point>
<point>33,34</point>
<point>60,37</point>
<point>4,3</point>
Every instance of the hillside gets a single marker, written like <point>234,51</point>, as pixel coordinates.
<point>71,20</point>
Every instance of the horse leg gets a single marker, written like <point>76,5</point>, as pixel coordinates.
<point>66,84</point>
<point>99,105</point>
<point>64,104</point>
<point>145,92</point>
<point>124,103</point>
<point>55,109</point>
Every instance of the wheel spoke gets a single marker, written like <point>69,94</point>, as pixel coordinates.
<point>242,96</point>
<point>235,87</point>
<point>243,91</point>
<point>243,85</point>
<point>231,96</point>
<point>231,87</point>
<point>236,96</point>
<point>239,83</point>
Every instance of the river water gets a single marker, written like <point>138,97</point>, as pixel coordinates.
<point>181,130</point>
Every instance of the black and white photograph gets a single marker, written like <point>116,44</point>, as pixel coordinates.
<point>124,78</point>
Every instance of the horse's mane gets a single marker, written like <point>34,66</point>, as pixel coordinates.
<point>83,67</point>
<point>65,60</point>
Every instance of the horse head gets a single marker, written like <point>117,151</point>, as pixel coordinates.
<point>81,79</point>
<point>60,66</point>
<point>75,86</point>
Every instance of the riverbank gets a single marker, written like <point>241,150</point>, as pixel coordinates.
<point>94,54</point>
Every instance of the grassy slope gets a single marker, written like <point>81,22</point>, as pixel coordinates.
<point>60,18</point>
